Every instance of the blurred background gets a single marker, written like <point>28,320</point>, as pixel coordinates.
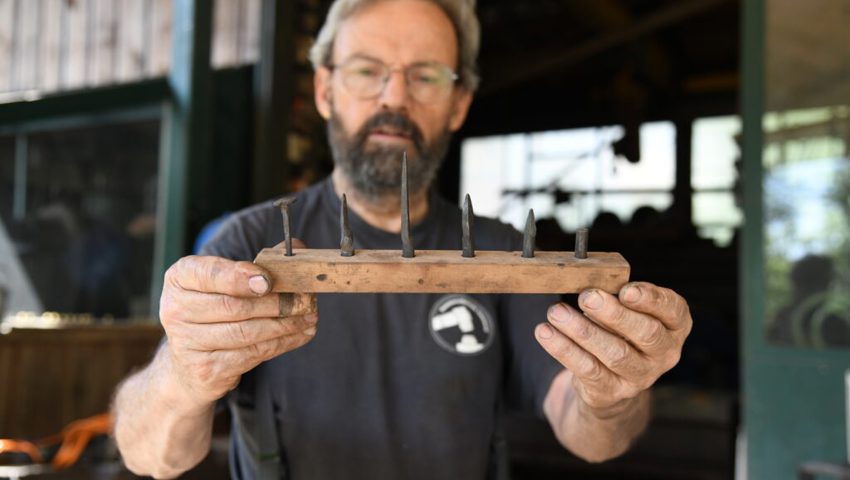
<point>705,140</point>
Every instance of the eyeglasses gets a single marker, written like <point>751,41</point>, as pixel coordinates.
<point>428,82</point>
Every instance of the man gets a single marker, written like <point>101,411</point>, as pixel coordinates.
<point>391,386</point>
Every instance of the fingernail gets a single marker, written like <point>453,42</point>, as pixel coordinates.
<point>259,284</point>
<point>310,330</point>
<point>558,312</point>
<point>544,331</point>
<point>631,294</point>
<point>312,318</point>
<point>591,299</point>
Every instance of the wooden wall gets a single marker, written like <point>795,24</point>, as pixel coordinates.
<point>51,377</point>
<point>54,45</point>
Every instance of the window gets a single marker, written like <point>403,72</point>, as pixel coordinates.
<point>714,175</point>
<point>570,175</point>
<point>77,219</point>
<point>807,226</point>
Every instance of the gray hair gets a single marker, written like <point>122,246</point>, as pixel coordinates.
<point>460,12</point>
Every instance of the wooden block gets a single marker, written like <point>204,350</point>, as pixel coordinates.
<point>442,271</point>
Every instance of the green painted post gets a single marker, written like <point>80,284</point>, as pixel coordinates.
<point>273,94</point>
<point>185,130</point>
<point>751,261</point>
<point>793,397</point>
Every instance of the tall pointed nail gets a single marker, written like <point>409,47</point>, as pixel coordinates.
<point>528,235</point>
<point>406,240</point>
<point>581,243</point>
<point>346,243</point>
<point>466,224</point>
<point>283,204</point>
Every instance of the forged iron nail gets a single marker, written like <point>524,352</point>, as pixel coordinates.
<point>468,238</point>
<point>346,244</point>
<point>283,204</point>
<point>406,240</point>
<point>581,243</point>
<point>528,235</point>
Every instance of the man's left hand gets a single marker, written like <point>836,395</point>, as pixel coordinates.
<point>620,346</point>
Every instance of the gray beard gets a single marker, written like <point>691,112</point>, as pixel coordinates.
<point>375,172</point>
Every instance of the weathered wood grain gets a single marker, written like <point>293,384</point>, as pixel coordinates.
<point>50,44</point>
<point>7,21</point>
<point>50,377</point>
<point>55,45</point>
<point>442,271</point>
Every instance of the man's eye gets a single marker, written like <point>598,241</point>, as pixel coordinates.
<point>366,72</point>
<point>429,78</point>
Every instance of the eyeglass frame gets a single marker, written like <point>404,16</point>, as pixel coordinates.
<point>453,76</point>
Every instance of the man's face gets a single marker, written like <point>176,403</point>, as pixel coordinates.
<point>369,135</point>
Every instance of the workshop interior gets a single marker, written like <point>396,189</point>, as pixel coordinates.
<point>705,141</point>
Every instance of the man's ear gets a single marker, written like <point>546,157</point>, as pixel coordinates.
<point>322,92</point>
<point>460,107</point>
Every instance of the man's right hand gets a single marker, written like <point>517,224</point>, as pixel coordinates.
<point>221,321</point>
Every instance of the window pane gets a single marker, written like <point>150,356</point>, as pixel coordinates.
<point>807,173</point>
<point>568,175</point>
<point>716,216</point>
<point>715,152</point>
<point>79,228</point>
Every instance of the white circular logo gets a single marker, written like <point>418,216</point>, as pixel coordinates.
<point>461,325</point>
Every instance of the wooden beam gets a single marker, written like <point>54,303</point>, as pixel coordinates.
<point>441,271</point>
<point>683,191</point>
<point>273,93</point>
<point>520,72</point>
<point>82,104</point>
<point>186,128</point>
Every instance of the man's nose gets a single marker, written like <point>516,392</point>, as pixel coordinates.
<point>395,94</point>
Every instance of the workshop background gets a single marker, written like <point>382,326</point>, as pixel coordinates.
<point>708,141</point>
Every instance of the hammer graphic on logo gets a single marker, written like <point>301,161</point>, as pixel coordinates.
<point>459,316</point>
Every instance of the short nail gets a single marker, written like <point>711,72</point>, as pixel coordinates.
<point>591,300</point>
<point>544,331</point>
<point>558,312</point>
<point>312,318</point>
<point>310,330</point>
<point>259,284</point>
<point>631,294</point>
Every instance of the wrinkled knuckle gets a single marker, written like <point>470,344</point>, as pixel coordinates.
<point>287,344</point>
<point>176,334</point>
<point>559,349</point>
<point>303,304</point>
<point>205,371</point>
<point>645,384</point>
<point>620,315</point>
<point>618,355</point>
<point>312,302</point>
<point>582,329</point>
<point>659,295</point>
<point>171,273</point>
<point>268,350</point>
<point>188,263</point>
<point>672,359</point>
<point>592,371</point>
<point>653,335</point>
<point>286,325</point>
<point>233,307</point>
<point>238,334</point>
<point>683,312</point>
<point>256,352</point>
<point>168,310</point>
<point>631,390</point>
<point>301,341</point>
<point>593,398</point>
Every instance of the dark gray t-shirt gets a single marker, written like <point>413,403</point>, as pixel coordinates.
<point>393,385</point>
